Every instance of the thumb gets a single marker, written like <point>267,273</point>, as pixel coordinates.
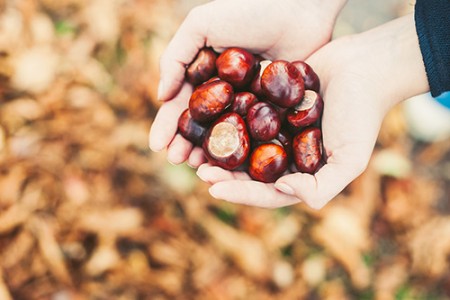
<point>318,189</point>
<point>180,52</point>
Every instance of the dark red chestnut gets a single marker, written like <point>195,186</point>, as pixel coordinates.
<point>236,66</point>
<point>307,149</point>
<point>203,67</point>
<point>209,100</point>
<point>268,162</point>
<point>190,129</point>
<point>285,140</point>
<point>227,143</point>
<point>255,85</point>
<point>263,121</point>
<point>242,102</point>
<point>282,84</point>
<point>307,112</point>
<point>310,77</point>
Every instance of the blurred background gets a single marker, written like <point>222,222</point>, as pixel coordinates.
<point>88,212</point>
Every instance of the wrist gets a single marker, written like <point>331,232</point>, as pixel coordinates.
<point>397,63</point>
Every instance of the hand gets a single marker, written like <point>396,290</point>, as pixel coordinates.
<point>362,77</point>
<point>287,29</point>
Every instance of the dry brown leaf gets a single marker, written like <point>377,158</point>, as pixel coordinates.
<point>390,277</point>
<point>15,216</point>
<point>50,249</point>
<point>4,291</point>
<point>16,250</point>
<point>42,58</point>
<point>246,251</point>
<point>343,234</point>
<point>430,247</point>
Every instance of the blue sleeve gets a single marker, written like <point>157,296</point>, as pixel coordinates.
<point>432,18</point>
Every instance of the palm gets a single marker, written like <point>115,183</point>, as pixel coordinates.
<point>350,126</point>
<point>289,29</point>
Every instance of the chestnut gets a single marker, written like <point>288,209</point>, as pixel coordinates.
<point>268,162</point>
<point>263,121</point>
<point>209,100</point>
<point>190,129</point>
<point>227,143</point>
<point>255,85</point>
<point>242,102</point>
<point>307,112</point>
<point>307,149</point>
<point>203,67</point>
<point>282,84</point>
<point>236,66</point>
<point>310,77</point>
<point>285,140</point>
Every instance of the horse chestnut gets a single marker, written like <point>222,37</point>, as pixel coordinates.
<point>202,68</point>
<point>227,143</point>
<point>255,85</point>
<point>242,102</point>
<point>263,121</point>
<point>307,112</point>
<point>310,77</point>
<point>236,66</point>
<point>209,100</point>
<point>307,148</point>
<point>282,84</point>
<point>268,162</point>
<point>190,129</point>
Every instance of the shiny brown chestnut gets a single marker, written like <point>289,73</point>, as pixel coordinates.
<point>310,77</point>
<point>236,66</point>
<point>255,85</point>
<point>307,150</point>
<point>268,162</point>
<point>191,129</point>
<point>242,102</point>
<point>209,100</point>
<point>307,112</point>
<point>263,121</point>
<point>203,67</point>
<point>227,143</point>
<point>285,140</point>
<point>282,84</point>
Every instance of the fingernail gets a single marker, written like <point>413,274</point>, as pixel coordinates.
<point>284,188</point>
<point>213,192</point>
<point>160,90</point>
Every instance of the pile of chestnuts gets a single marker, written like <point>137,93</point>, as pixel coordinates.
<point>254,115</point>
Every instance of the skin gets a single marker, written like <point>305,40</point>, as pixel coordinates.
<point>362,77</point>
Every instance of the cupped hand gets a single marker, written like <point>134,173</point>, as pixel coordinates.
<point>286,29</point>
<point>362,77</point>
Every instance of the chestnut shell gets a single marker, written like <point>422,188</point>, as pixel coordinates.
<point>227,143</point>
<point>268,162</point>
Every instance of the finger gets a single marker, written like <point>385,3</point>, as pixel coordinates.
<point>317,190</point>
<point>196,158</point>
<point>213,174</point>
<point>179,150</point>
<point>165,124</point>
<point>181,51</point>
<point>252,193</point>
